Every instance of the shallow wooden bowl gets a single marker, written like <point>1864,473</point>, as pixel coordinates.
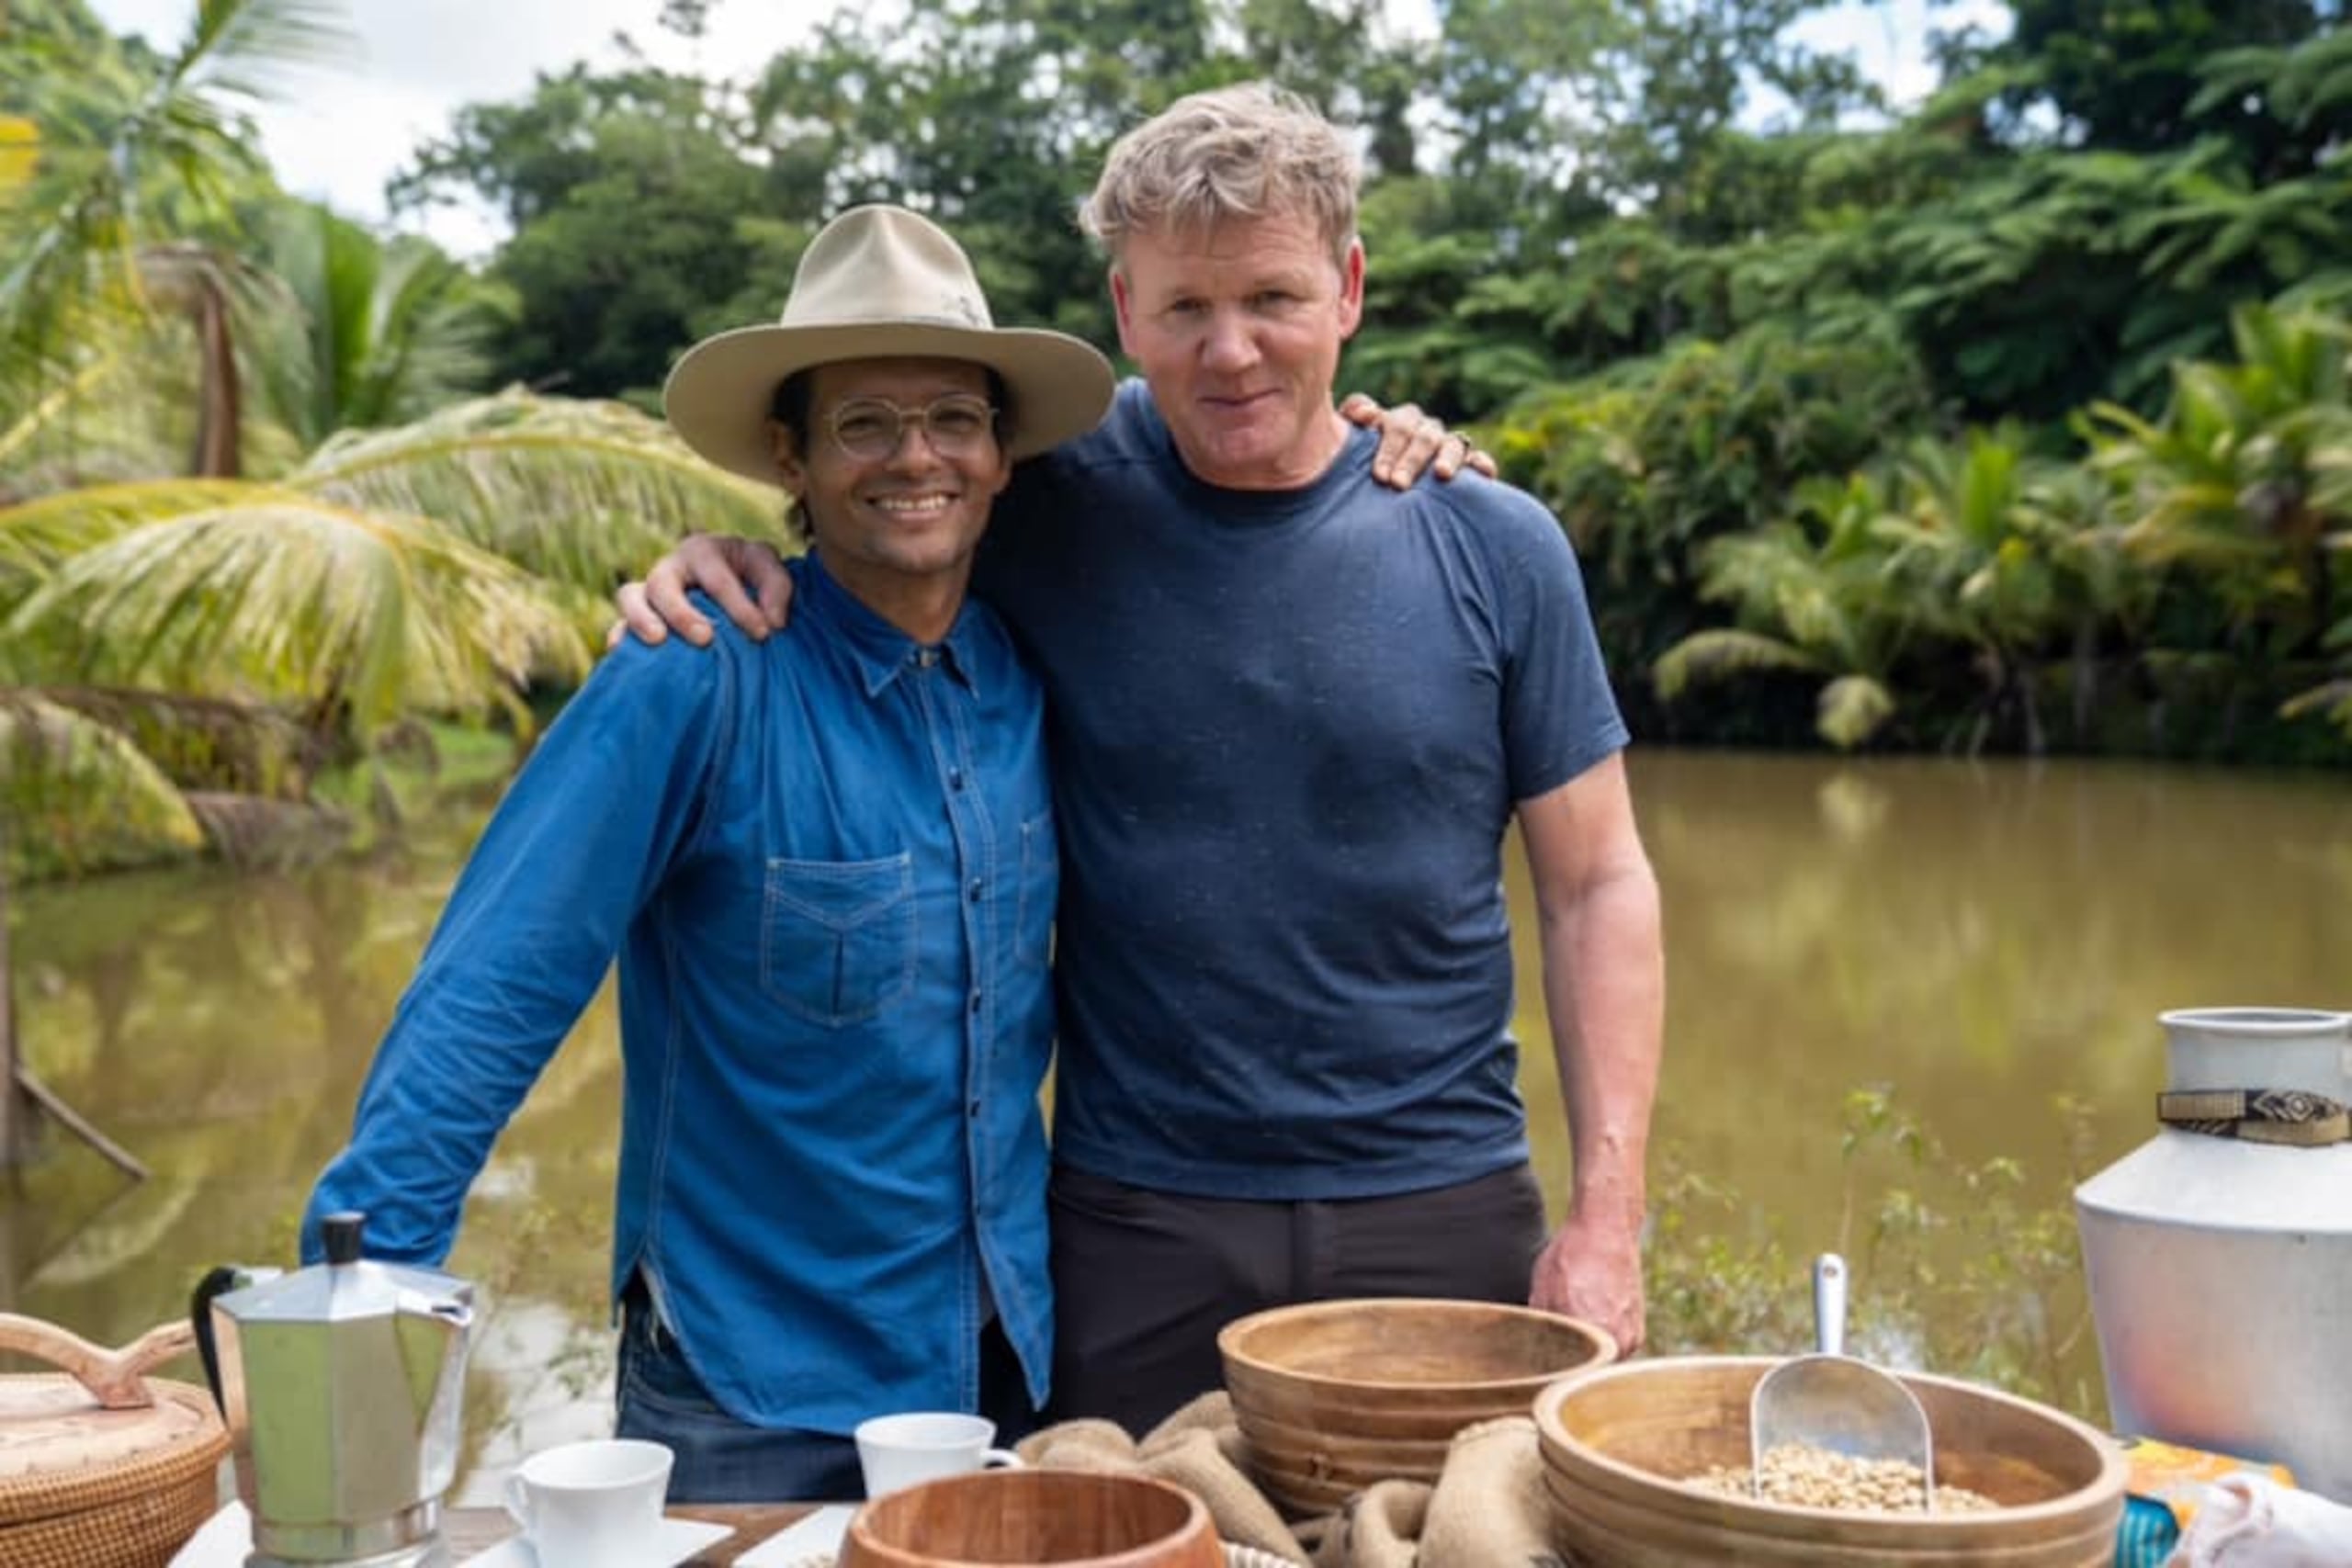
<point>1334,1396</point>
<point>1006,1518</point>
<point>1618,1442</point>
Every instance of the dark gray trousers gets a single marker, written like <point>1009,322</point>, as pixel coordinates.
<point>1143,1281</point>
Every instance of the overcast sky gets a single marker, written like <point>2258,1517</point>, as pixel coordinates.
<point>339,131</point>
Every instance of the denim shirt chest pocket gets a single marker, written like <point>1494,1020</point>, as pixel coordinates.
<point>1032,921</point>
<point>837,938</point>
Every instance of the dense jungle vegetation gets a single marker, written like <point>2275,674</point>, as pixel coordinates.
<point>2014,419</point>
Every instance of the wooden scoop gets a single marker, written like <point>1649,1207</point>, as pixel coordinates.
<point>1832,1401</point>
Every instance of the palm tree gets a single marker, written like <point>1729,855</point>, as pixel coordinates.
<point>2244,482</point>
<point>1984,567</point>
<point>1813,593</point>
<point>175,650</point>
<point>364,333</point>
<point>127,162</point>
<point>2102,590</point>
<point>442,567</point>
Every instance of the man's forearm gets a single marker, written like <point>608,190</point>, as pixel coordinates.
<point>1604,985</point>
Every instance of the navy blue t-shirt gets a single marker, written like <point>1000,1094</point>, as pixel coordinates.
<point>1287,732</point>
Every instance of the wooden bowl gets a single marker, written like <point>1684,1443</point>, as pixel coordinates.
<point>1003,1518</point>
<point>1618,1442</point>
<point>1332,1396</point>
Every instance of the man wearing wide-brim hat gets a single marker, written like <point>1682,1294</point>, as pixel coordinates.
<point>827,863</point>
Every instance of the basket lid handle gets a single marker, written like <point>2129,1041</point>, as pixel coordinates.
<point>116,1379</point>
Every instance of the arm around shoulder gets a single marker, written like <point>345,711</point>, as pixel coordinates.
<point>744,578</point>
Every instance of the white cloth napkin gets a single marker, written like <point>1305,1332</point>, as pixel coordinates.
<point>224,1540</point>
<point>2248,1520</point>
<point>812,1540</point>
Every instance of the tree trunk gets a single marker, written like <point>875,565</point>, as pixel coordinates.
<point>219,422</point>
<point>2086,677</point>
<point>2022,675</point>
<point>12,1101</point>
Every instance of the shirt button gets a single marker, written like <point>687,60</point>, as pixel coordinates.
<point>975,890</point>
<point>955,778</point>
<point>976,1001</point>
<point>972,1109</point>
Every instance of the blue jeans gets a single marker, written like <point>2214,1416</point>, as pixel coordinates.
<point>720,1459</point>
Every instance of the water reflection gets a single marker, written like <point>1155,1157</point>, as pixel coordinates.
<point>1980,939</point>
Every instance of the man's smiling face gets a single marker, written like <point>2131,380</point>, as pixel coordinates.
<point>916,512</point>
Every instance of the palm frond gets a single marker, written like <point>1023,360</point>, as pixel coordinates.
<point>79,794</point>
<point>271,595</point>
<point>203,743</point>
<point>245,48</point>
<point>77,238</point>
<point>584,493</point>
<point>1723,651</point>
<point>48,405</point>
<point>1851,709</point>
<point>373,331</point>
<point>37,535</point>
<point>2330,700</point>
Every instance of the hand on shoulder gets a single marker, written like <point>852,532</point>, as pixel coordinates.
<point>743,579</point>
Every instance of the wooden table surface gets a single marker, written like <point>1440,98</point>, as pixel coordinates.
<point>470,1530</point>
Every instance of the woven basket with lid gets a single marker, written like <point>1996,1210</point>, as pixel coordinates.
<point>102,1466</point>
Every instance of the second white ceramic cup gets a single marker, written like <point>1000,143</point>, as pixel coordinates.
<point>901,1451</point>
<point>592,1504</point>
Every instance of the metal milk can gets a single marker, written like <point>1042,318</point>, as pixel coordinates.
<point>341,1386</point>
<point>2220,1253</point>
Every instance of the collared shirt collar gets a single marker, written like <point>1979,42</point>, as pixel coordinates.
<point>881,650</point>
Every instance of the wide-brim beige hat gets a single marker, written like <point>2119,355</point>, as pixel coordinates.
<point>880,282</point>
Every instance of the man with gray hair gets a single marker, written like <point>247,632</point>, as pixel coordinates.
<point>1290,714</point>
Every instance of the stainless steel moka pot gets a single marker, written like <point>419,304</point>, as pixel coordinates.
<point>341,1385</point>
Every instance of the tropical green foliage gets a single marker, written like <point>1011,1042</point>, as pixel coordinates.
<point>2223,523</point>
<point>2013,420</point>
<point>1930,1232</point>
<point>445,566</point>
<point>1808,384</point>
<point>250,532</point>
<point>1651,462</point>
<point>80,796</point>
<point>2243,492</point>
<point>378,331</point>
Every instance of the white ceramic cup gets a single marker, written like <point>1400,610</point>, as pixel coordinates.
<point>592,1504</point>
<point>901,1451</point>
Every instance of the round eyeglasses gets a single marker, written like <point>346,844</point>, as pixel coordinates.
<point>869,429</point>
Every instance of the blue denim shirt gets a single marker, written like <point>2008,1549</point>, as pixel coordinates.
<point>827,863</point>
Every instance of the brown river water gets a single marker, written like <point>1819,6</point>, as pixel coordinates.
<point>1983,947</point>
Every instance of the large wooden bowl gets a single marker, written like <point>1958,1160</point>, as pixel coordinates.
<point>1618,1442</point>
<point>1006,1518</point>
<point>1332,1396</point>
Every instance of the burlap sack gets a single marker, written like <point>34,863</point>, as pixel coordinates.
<point>1197,1449</point>
<point>1380,1527</point>
<point>1490,1509</point>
